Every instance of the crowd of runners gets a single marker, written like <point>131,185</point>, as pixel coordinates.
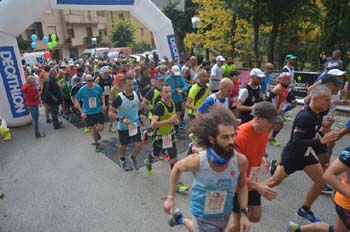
<point>230,127</point>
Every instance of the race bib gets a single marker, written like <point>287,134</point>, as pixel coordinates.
<point>253,176</point>
<point>107,90</point>
<point>92,102</point>
<point>215,202</point>
<point>167,141</point>
<point>132,129</point>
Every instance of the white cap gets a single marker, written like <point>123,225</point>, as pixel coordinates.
<point>220,58</point>
<point>257,72</point>
<point>176,70</point>
<point>336,72</point>
<point>71,63</point>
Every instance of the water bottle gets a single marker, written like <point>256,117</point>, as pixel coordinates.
<point>144,137</point>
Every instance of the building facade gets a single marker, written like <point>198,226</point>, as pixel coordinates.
<point>75,30</point>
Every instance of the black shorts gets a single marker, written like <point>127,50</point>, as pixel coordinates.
<point>125,139</point>
<point>178,106</point>
<point>290,96</point>
<point>292,164</point>
<point>94,119</point>
<point>254,198</point>
<point>344,215</point>
<point>157,147</point>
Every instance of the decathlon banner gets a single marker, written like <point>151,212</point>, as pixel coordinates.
<point>96,2</point>
<point>11,78</point>
<point>173,48</point>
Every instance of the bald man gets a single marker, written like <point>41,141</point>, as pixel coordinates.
<point>221,98</point>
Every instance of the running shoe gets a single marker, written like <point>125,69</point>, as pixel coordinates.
<point>292,226</point>
<point>123,165</point>
<point>112,130</point>
<point>273,166</point>
<point>275,143</point>
<point>148,167</point>
<point>327,190</point>
<point>174,218</point>
<point>132,160</point>
<point>87,129</point>
<point>164,157</point>
<point>307,215</point>
<point>181,188</point>
<point>98,148</point>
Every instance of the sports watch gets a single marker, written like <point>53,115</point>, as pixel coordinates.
<point>245,211</point>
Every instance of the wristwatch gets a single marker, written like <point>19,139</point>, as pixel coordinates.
<point>245,211</point>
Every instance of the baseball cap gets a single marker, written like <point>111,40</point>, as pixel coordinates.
<point>220,58</point>
<point>290,57</point>
<point>257,72</point>
<point>336,72</point>
<point>71,63</point>
<point>331,79</point>
<point>267,110</point>
<point>176,70</point>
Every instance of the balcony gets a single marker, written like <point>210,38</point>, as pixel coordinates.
<point>84,19</point>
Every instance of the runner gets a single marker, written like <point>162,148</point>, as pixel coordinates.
<point>198,92</point>
<point>93,107</point>
<point>221,98</point>
<point>249,95</point>
<point>217,171</point>
<point>125,108</point>
<point>258,130</point>
<point>163,120</point>
<point>340,166</point>
<point>278,97</point>
<point>298,155</point>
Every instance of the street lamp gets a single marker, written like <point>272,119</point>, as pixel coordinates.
<point>195,23</point>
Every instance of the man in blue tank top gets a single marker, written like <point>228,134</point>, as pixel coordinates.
<point>125,108</point>
<point>217,171</point>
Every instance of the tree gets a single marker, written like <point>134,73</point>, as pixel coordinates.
<point>141,47</point>
<point>122,34</point>
<point>181,20</point>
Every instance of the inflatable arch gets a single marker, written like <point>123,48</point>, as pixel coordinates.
<point>18,15</point>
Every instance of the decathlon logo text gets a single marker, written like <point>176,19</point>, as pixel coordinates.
<point>173,47</point>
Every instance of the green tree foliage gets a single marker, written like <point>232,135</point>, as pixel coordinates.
<point>123,34</point>
<point>336,28</point>
<point>141,47</point>
<point>181,20</point>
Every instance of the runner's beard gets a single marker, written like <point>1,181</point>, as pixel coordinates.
<point>224,152</point>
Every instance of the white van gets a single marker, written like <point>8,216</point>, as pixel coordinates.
<point>32,58</point>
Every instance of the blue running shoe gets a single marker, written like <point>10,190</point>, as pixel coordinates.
<point>307,215</point>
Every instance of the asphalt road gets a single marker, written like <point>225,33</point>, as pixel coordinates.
<point>58,183</point>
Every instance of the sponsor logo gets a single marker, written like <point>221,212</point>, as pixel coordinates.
<point>173,48</point>
<point>10,75</point>
<point>96,2</point>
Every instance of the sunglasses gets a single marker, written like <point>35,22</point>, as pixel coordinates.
<point>89,80</point>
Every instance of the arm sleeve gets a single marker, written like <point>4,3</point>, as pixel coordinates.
<point>117,102</point>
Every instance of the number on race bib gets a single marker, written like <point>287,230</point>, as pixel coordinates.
<point>167,141</point>
<point>132,129</point>
<point>92,102</point>
<point>215,202</point>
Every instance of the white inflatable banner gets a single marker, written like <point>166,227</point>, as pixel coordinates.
<point>11,99</point>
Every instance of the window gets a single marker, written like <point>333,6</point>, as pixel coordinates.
<point>121,16</point>
<point>39,29</point>
<point>89,31</point>
<point>102,32</point>
<point>142,31</point>
<point>70,32</point>
<point>101,13</point>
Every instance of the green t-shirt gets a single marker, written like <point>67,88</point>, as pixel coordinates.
<point>66,87</point>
